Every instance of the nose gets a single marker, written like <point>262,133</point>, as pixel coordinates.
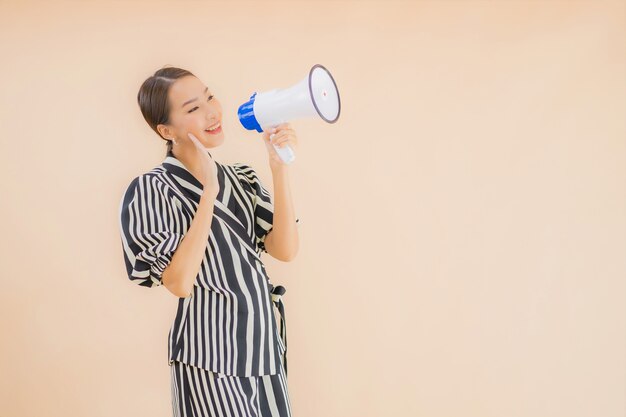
<point>212,117</point>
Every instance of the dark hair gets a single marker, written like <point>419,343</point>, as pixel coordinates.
<point>153,97</point>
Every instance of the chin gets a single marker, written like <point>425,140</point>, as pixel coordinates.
<point>213,141</point>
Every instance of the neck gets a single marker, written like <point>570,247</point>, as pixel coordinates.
<point>187,156</point>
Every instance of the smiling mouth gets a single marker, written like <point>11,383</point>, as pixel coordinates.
<point>215,130</point>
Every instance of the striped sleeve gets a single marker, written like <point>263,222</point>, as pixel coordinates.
<point>147,232</point>
<point>263,206</point>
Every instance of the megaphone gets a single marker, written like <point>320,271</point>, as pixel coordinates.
<point>316,94</point>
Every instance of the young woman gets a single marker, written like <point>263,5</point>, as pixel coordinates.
<point>198,228</point>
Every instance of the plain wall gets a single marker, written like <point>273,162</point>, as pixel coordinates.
<point>463,224</point>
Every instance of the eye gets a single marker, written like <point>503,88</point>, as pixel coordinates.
<point>210,97</point>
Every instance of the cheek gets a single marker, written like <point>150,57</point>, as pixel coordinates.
<point>181,123</point>
<point>193,122</point>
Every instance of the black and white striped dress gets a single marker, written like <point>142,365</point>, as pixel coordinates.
<point>226,327</point>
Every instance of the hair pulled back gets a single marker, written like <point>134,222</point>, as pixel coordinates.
<point>153,97</point>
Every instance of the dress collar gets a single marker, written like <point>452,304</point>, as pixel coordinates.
<point>185,178</point>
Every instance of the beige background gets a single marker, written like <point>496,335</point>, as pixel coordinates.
<point>463,232</point>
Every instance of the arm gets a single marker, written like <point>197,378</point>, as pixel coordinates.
<point>180,274</point>
<point>282,242</point>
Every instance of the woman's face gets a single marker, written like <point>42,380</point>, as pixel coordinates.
<point>193,109</point>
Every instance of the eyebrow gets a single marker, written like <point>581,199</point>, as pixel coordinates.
<point>194,99</point>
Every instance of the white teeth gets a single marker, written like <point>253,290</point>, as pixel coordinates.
<point>216,126</point>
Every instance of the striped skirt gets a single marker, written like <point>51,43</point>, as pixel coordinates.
<point>197,392</point>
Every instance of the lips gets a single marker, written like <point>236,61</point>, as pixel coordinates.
<point>215,131</point>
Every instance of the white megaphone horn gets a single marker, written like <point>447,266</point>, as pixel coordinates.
<point>316,94</point>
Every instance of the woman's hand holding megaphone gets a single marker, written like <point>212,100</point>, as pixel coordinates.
<point>280,135</point>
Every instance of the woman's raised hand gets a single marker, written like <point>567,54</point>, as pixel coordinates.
<point>281,135</point>
<point>208,167</point>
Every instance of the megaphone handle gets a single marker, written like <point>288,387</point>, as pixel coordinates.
<point>285,153</point>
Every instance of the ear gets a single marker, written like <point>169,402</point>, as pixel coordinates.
<point>164,131</point>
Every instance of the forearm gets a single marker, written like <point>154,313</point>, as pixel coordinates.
<point>282,242</point>
<point>180,274</point>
